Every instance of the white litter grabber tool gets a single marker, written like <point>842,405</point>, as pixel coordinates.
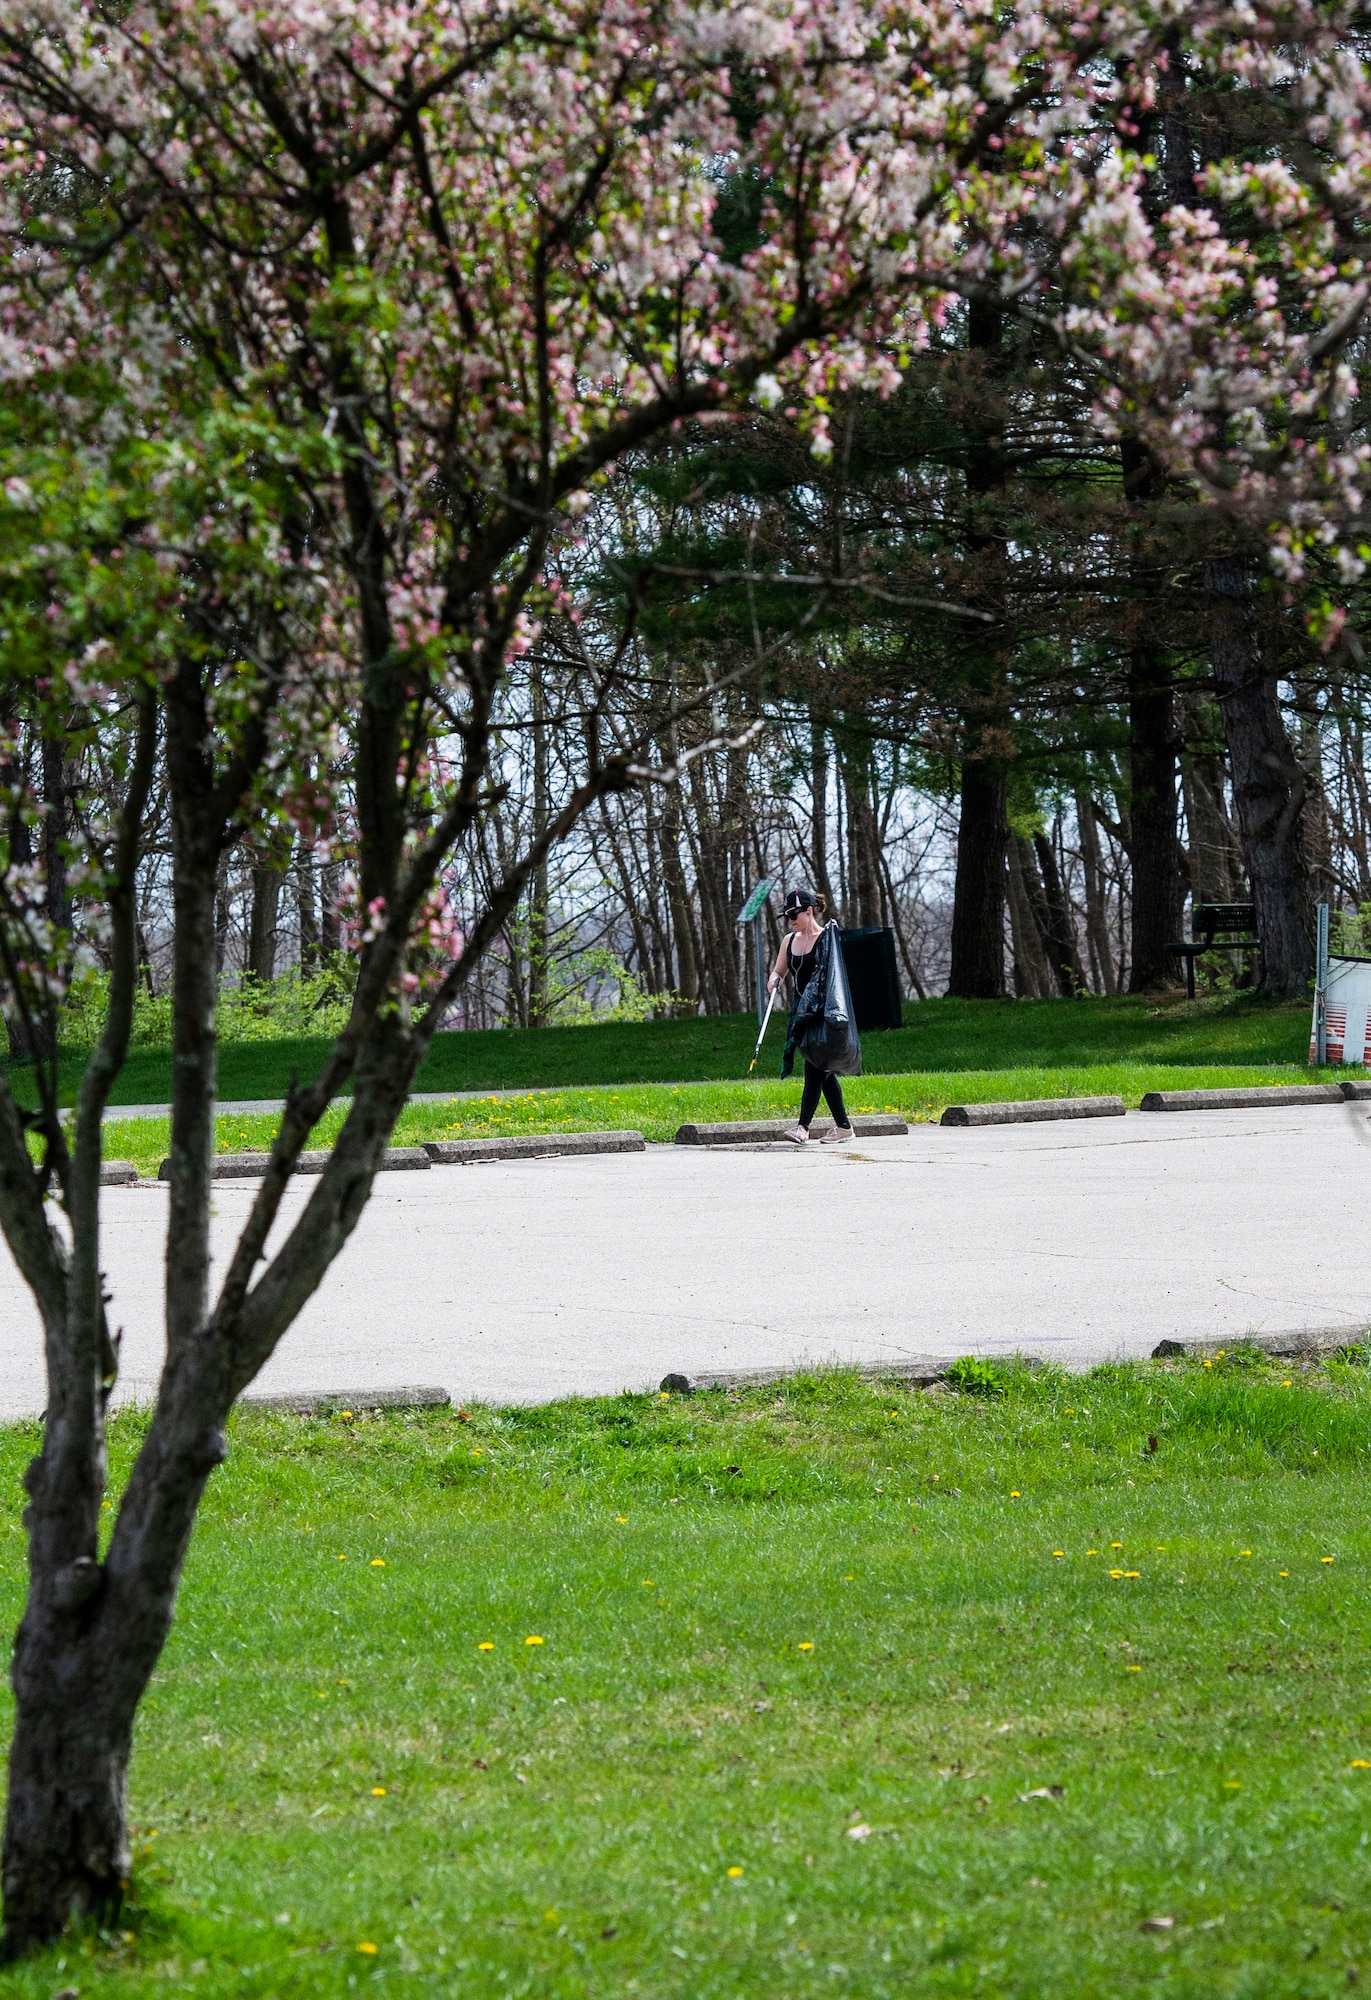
<point>770,1003</point>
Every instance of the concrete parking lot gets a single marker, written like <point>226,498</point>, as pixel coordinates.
<point>535,1279</point>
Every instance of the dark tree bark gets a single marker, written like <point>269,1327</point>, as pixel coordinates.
<point>1158,882</point>
<point>19,842</point>
<point>76,1683</point>
<point>330,922</point>
<point>1215,858</point>
<point>678,898</point>
<point>1269,786</point>
<point>978,898</point>
<point>864,904</point>
<point>977,970</point>
<point>263,920</point>
<point>818,791</point>
<point>306,909</point>
<point>222,911</point>
<point>56,815</point>
<point>1096,920</point>
<point>1059,934</point>
<point>538,940</point>
<point>1032,974</point>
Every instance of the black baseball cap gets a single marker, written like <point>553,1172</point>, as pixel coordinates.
<point>797,900</point>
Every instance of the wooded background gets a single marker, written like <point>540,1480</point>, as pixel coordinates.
<point>1011,691</point>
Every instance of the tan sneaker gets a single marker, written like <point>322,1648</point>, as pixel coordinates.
<point>799,1137</point>
<point>841,1135</point>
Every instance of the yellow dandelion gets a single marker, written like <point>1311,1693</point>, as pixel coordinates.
<point>1015,1495</point>
<point>805,1646</point>
<point>1116,1545</point>
<point>1092,1552</point>
<point>1116,1572</point>
<point>1283,1572</point>
<point>477,1451</point>
<point>369,1949</point>
<point>1325,1559</point>
<point>1209,1364</point>
<point>1287,1385</point>
<point>1361,1764</point>
<point>342,1559</point>
<point>622,1519</point>
<point>735,1873</point>
<point>378,1562</point>
<point>1135,1670</point>
<point>533,1640</point>
<point>485,1646</point>
<point>1232,1784</point>
<point>378,1791</point>
<point>1130,1572</point>
<point>1244,1552</point>
<point>1058,1552</point>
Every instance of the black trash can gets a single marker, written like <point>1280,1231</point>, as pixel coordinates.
<point>874,977</point>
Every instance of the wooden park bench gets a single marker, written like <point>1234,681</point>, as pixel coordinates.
<point>1216,927</point>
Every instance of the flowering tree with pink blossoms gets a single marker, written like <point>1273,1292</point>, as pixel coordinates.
<point>1215,278</point>
<point>328,319</point>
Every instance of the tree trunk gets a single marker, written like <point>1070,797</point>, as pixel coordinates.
<point>1059,935</point>
<point>678,899</point>
<point>863,837</point>
<point>538,878</point>
<point>977,971</point>
<point>14,777</point>
<point>262,921</point>
<point>818,791</point>
<point>1268,785</point>
<point>1216,864</point>
<point>1317,828</point>
<point>306,908</point>
<point>66,1837</point>
<point>1096,918</point>
<point>978,898</point>
<point>1158,885</point>
<point>1032,974</point>
<point>330,921</point>
<point>56,804</point>
<point>80,1663</point>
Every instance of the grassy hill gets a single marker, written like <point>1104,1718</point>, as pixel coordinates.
<point>937,1035</point>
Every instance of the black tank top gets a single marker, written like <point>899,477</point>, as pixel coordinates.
<point>801,963</point>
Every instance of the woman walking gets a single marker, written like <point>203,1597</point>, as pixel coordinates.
<point>821,1023</point>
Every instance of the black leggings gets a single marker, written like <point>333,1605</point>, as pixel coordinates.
<point>824,1080</point>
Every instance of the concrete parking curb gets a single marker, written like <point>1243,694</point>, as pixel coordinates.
<point>1285,1346</point>
<point>246,1166</point>
<point>532,1146</point>
<point>118,1173</point>
<point>1259,1099</point>
<point>749,1130</point>
<point>1033,1110</point>
<point>317,1403</point>
<point>919,1371</point>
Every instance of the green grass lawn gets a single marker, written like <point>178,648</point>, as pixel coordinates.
<point>837,1689</point>
<point>657,1110</point>
<point>938,1036</point>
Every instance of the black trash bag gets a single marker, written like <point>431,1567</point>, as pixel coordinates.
<point>822,1025</point>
